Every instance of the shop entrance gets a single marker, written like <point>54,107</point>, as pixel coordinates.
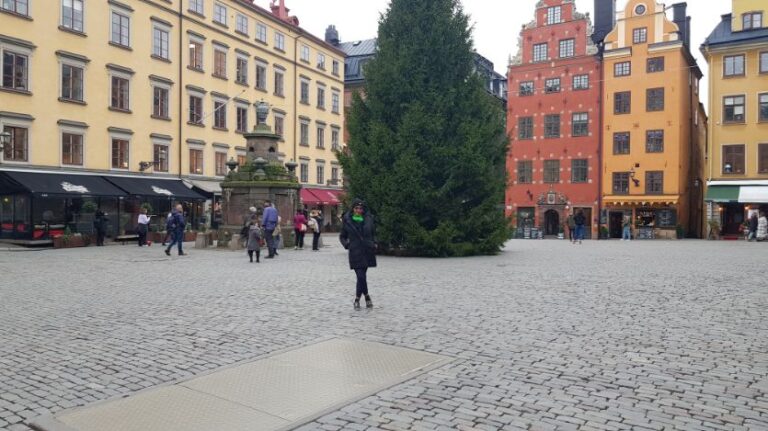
<point>615,225</point>
<point>551,222</point>
<point>733,218</point>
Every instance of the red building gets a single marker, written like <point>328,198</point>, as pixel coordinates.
<point>553,121</point>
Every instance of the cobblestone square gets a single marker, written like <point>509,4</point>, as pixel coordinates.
<point>607,335</point>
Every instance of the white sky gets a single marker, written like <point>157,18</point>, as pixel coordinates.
<point>497,23</point>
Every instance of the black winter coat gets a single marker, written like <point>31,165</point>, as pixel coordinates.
<point>360,240</point>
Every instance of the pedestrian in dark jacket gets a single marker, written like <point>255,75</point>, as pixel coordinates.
<point>358,235</point>
<point>580,221</point>
<point>753,222</point>
<point>177,225</point>
<point>100,226</point>
<point>254,240</point>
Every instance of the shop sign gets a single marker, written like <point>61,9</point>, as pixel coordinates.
<point>160,191</point>
<point>73,188</point>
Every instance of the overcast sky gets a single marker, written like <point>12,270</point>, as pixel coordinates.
<point>497,23</point>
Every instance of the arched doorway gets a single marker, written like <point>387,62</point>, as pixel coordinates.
<point>551,222</point>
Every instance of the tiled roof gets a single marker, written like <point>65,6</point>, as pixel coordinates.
<point>724,35</point>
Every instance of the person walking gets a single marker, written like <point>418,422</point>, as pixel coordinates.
<point>358,236</point>
<point>168,228</point>
<point>762,227</point>
<point>627,235</point>
<point>571,227</point>
<point>142,227</point>
<point>270,222</point>
<point>100,226</point>
<point>300,228</point>
<point>753,222</point>
<point>314,226</point>
<point>580,220</point>
<point>177,225</point>
<point>254,240</point>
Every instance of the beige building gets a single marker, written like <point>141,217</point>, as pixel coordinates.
<point>158,89</point>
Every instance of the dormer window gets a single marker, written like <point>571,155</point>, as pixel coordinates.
<point>554,15</point>
<point>752,20</point>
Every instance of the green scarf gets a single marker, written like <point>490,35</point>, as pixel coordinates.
<point>357,218</point>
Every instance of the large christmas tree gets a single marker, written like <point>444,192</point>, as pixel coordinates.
<point>427,143</point>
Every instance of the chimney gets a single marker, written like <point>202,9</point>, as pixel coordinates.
<point>605,19</point>
<point>683,22</point>
<point>332,35</point>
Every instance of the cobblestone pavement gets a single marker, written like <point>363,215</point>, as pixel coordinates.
<point>607,335</point>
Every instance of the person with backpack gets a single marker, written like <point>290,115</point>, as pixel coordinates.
<point>176,225</point>
<point>358,236</point>
<point>314,225</point>
<point>100,226</point>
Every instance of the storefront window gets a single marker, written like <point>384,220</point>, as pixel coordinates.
<point>6,216</point>
<point>660,218</point>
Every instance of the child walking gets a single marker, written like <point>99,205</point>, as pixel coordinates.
<point>254,241</point>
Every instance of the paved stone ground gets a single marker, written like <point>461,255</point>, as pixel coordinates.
<point>548,335</point>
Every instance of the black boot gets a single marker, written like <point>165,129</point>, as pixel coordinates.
<point>368,302</point>
<point>257,256</point>
<point>357,303</point>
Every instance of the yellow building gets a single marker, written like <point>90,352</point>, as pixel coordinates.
<point>652,154</point>
<point>737,172</point>
<point>153,90</point>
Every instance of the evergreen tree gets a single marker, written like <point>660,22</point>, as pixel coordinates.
<point>427,143</point>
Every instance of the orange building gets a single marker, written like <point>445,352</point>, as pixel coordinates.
<point>652,145</point>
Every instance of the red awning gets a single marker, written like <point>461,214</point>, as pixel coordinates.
<point>311,196</point>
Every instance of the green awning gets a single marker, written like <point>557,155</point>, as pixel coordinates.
<point>722,194</point>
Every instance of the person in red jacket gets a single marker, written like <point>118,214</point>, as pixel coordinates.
<point>300,228</point>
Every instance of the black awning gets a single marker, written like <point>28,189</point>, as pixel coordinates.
<point>155,187</point>
<point>41,183</point>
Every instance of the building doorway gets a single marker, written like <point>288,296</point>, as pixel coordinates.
<point>733,218</point>
<point>616,224</point>
<point>551,222</point>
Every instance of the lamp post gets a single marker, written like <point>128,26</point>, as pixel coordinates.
<point>5,139</point>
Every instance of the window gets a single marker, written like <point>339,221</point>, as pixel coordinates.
<point>241,70</point>
<point>335,102</point>
<point>279,83</point>
<point>160,158</point>
<point>621,143</point>
<point>196,110</point>
<point>261,32</point>
<point>305,53</point>
<point>320,137</point>
<point>654,141</point>
<point>552,126</point>
<point>654,99</point>
<point>762,159</point>
<point>220,163</point>
<point>219,114</point>
<point>551,171</point>
<point>580,124</point>
<point>71,149</point>
<point>304,92</point>
<point>160,102</point>
<point>119,153</point>
<point>195,55</point>
<point>242,119</point>
<point>733,65</point>
<point>540,52</point>
<point>196,6</point>
<point>72,14</point>
<point>321,60</point>
<point>526,88</point>
<point>219,63</point>
<point>15,70</point>
<point>321,97</point>
<point>622,102</point>
<point>552,85</point>
<point>71,82</point>
<point>320,174</point>
<point>554,15</point>
<point>764,62</point>
<point>241,24</point>
<point>655,64</point>
<point>752,20</point>
<point>567,48</point>
<point>581,82</point>
<point>16,149</point>
<point>335,139</point>
<point>160,42</point>
<point>579,170</point>
<point>195,161</point>
<point>525,172</point>
<point>335,67</point>
<point>654,183</point>
<point>304,134</point>
<point>20,7</point>
<point>279,41</point>
<point>733,159</point>
<point>334,176</point>
<point>525,128</point>
<point>220,13</point>
<point>762,108</point>
<point>120,93</point>
<point>261,76</point>
<point>621,183</point>
<point>640,35</point>
<point>121,25</point>
<point>304,172</point>
<point>279,125</point>
<point>622,69</point>
<point>241,160</point>
<point>733,109</point>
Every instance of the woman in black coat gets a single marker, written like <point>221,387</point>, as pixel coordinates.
<point>358,235</point>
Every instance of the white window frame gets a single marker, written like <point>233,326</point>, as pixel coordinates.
<point>240,105</point>
<point>193,93</point>
<point>67,61</point>
<point>199,147</point>
<point>164,143</point>
<point>320,172</point>
<point>28,3</point>
<point>217,9</point>
<point>239,57</point>
<point>305,53</point>
<point>321,90</point>
<point>216,152</point>
<point>217,49</point>
<point>157,26</point>
<point>279,41</point>
<point>72,130</point>
<point>335,143</point>
<point>129,78</point>
<point>82,12</point>
<point>304,165</point>
<point>280,72</point>
<point>261,32</point>
<point>304,82</point>
<point>241,19</point>
<point>198,40</point>
<point>214,112</point>
<point>281,116</point>
<point>321,61</point>
<point>320,133</point>
<point>551,15</point>
<point>22,124</point>
<point>21,50</point>
<point>265,65</point>
<point>126,137</point>
<point>166,87</point>
<point>335,102</point>
<point>114,9</point>
<point>197,6</point>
